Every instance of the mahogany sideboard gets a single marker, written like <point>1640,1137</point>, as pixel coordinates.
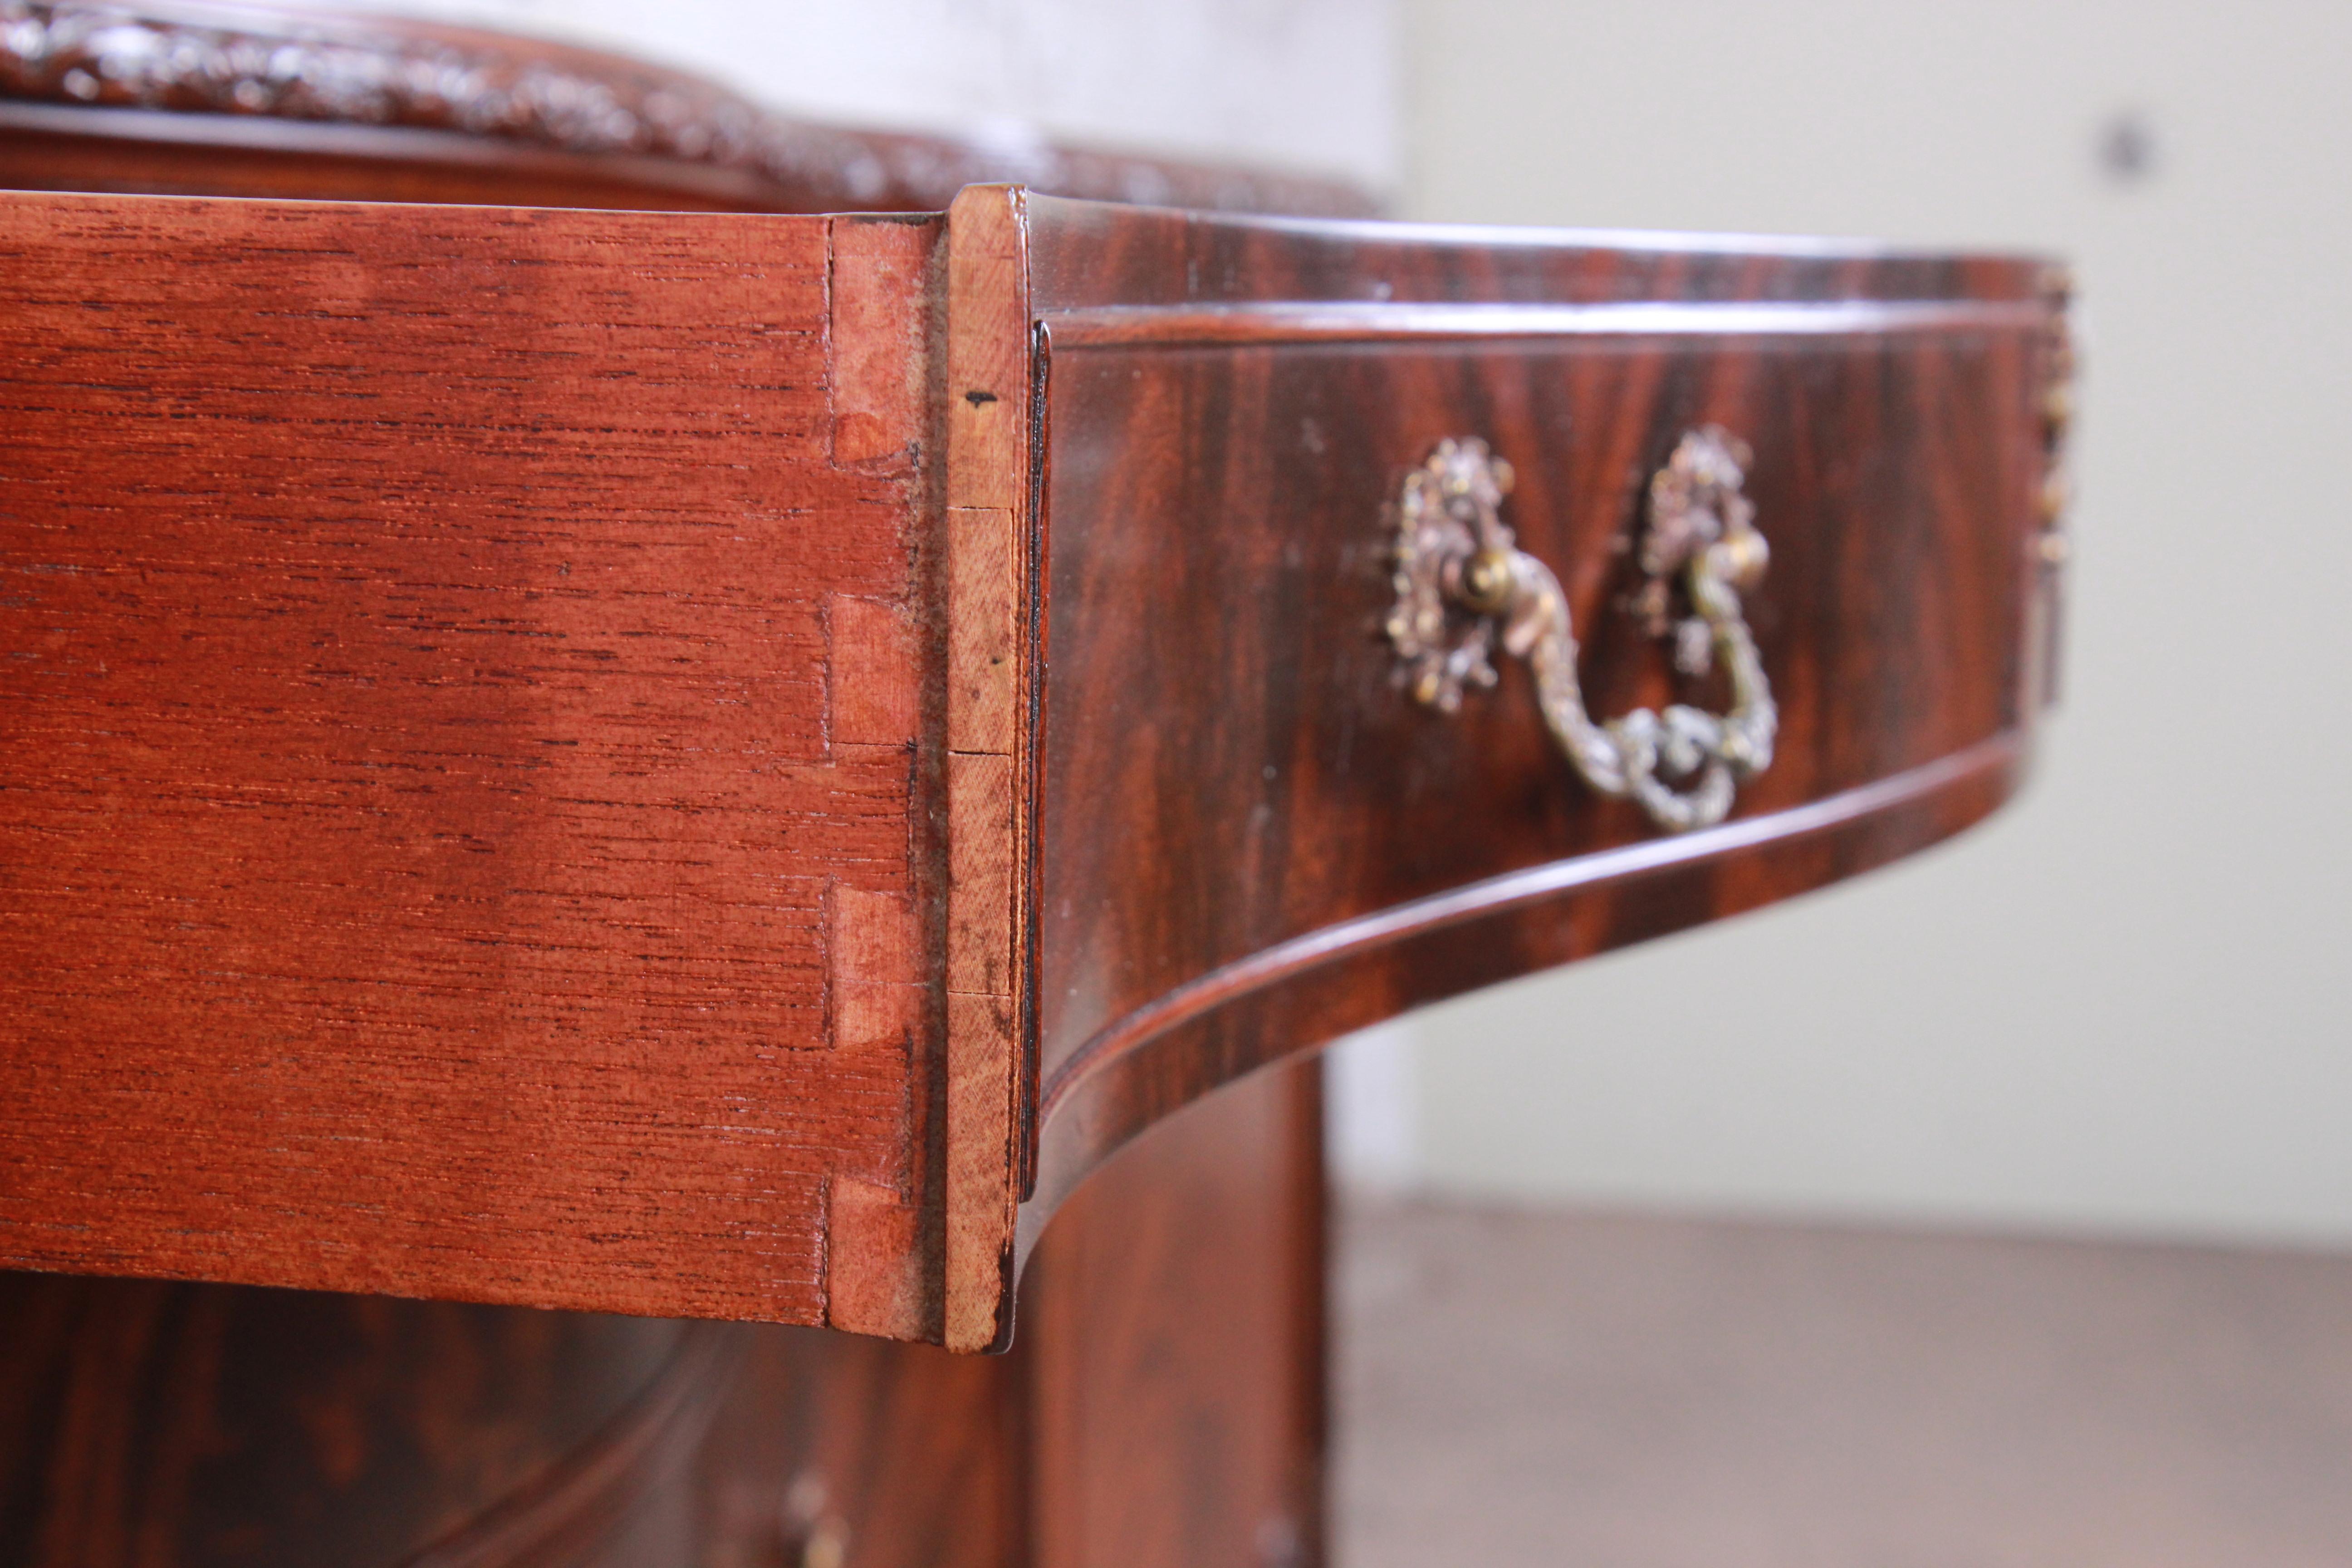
<point>617,783</point>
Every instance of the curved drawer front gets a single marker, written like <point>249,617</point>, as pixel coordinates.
<point>1253,836</point>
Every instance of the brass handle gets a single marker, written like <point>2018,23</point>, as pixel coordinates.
<point>1462,585</point>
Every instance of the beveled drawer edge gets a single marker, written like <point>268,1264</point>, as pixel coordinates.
<point>2003,752</point>
<point>1349,322</point>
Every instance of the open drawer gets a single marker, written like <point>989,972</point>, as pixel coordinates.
<point>715,764</point>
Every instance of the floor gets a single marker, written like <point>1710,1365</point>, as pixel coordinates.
<point>1627,1391</point>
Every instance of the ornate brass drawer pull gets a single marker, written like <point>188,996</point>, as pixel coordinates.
<point>1462,583</point>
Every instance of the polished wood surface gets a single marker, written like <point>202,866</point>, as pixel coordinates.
<point>718,764</point>
<point>1176,1327</point>
<point>463,830</point>
<point>1251,839</point>
<point>154,1425</point>
<point>151,1423</point>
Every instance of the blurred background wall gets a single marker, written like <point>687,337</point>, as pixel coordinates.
<point>2122,1004</point>
<point>1299,84</point>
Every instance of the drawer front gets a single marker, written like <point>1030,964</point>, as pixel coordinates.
<point>1254,836</point>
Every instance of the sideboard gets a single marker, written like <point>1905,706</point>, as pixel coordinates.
<point>659,760</point>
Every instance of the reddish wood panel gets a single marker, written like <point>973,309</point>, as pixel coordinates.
<point>1167,1056</point>
<point>1162,1405</point>
<point>172,1426</point>
<point>1174,1323</point>
<point>1252,839</point>
<point>991,686</point>
<point>459,818</point>
<point>548,792</point>
<point>185,1425</point>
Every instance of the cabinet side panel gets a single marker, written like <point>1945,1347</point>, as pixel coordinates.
<point>429,815</point>
<point>1172,1332</point>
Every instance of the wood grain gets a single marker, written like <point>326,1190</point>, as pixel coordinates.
<point>1174,1327</point>
<point>437,852</point>
<point>171,1425</point>
<point>538,778</point>
<point>991,599</point>
<point>159,1425</point>
<point>1252,839</point>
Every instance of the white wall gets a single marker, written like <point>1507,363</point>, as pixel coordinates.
<point>2124,1003</point>
<point>1302,84</point>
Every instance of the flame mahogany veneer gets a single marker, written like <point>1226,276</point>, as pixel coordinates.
<point>1251,838</point>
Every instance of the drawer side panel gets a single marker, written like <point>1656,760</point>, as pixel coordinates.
<point>457,762</point>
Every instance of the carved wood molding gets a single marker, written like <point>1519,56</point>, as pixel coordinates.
<point>314,66</point>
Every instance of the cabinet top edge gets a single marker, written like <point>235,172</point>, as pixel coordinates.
<point>1088,255</point>
<point>1545,236</point>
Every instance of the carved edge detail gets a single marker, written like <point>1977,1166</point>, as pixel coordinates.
<point>380,71</point>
